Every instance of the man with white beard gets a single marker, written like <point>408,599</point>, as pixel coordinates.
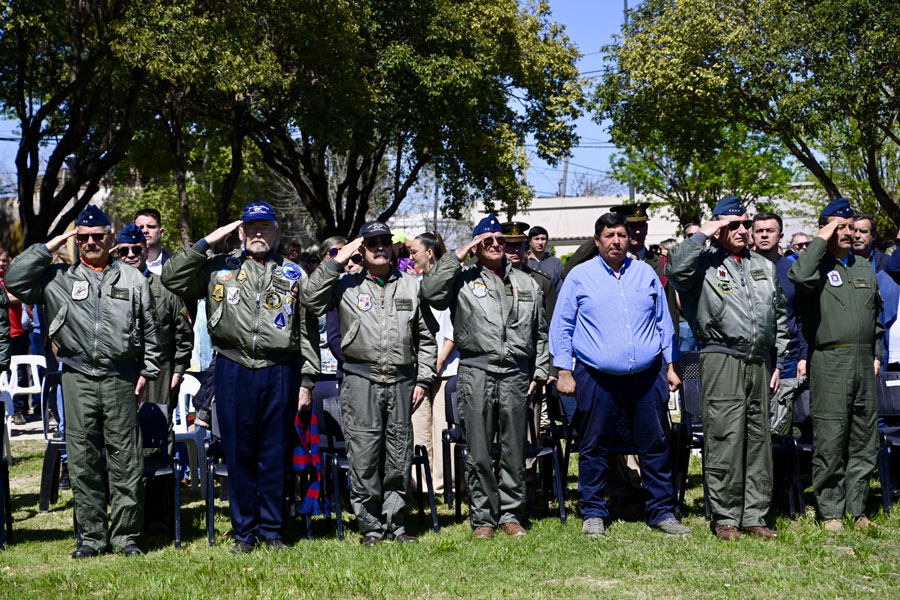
<point>266,365</point>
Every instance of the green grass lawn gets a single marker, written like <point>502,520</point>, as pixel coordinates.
<point>553,561</point>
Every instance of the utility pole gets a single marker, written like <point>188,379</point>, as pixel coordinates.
<point>630,157</point>
<point>563,183</point>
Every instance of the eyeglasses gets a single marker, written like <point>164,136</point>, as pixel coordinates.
<point>374,242</point>
<point>84,237</point>
<point>801,245</point>
<point>332,252</point>
<point>498,239</point>
<point>356,258</point>
<point>124,251</point>
<point>735,225</point>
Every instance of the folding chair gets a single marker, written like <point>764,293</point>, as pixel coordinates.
<point>193,440</point>
<point>692,418</point>
<point>32,363</point>
<point>55,447</point>
<point>453,437</point>
<point>547,454</point>
<point>7,402</point>
<point>215,467</point>
<point>334,451</point>
<point>888,398</point>
<point>155,435</point>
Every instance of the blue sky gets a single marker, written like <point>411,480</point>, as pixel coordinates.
<point>589,23</point>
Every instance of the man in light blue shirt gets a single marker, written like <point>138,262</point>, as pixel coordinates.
<point>612,340</point>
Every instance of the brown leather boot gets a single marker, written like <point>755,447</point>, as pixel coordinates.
<point>727,532</point>
<point>483,532</point>
<point>760,531</point>
<point>513,529</point>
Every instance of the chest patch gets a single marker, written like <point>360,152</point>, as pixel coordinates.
<point>403,304</point>
<point>281,285</point>
<point>722,274</point>
<point>479,289</point>
<point>861,283</point>
<point>758,274</point>
<point>364,302</point>
<point>218,292</point>
<point>242,277</point>
<point>291,271</point>
<point>80,290</point>
<point>834,278</point>
<point>280,321</point>
<point>724,287</point>
<point>272,300</point>
<point>232,262</point>
<point>224,275</point>
<point>289,306</point>
<point>233,295</point>
<point>525,296</point>
<point>119,293</point>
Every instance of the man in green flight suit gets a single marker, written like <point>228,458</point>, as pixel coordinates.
<point>389,363</point>
<point>101,318</point>
<point>837,295</point>
<point>501,334</point>
<point>176,334</point>
<point>734,302</point>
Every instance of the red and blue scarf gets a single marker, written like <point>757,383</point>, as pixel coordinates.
<point>306,457</point>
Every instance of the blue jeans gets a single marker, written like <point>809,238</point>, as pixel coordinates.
<point>643,398</point>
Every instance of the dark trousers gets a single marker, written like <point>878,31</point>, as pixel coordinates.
<point>642,397</point>
<point>256,409</point>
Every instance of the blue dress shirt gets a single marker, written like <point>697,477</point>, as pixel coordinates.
<point>617,325</point>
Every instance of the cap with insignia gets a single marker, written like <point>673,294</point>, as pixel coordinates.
<point>374,228</point>
<point>489,224</point>
<point>92,216</point>
<point>729,205</point>
<point>839,207</point>
<point>633,213</point>
<point>514,231</point>
<point>258,211</point>
<point>131,234</point>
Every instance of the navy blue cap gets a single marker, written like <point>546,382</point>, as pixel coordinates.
<point>729,205</point>
<point>258,211</point>
<point>374,228</point>
<point>839,207</point>
<point>489,224</point>
<point>131,234</point>
<point>92,216</point>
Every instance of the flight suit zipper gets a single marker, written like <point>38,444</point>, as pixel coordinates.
<point>97,324</point>
<point>256,323</point>
<point>383,353</point>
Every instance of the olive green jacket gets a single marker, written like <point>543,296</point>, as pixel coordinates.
<point>176,333</point>
<point>383,328</point>
<point>839,305</point>
<point>735,308</point>
<point>4,330</point>
<point>254,312</point>
<point>498,324</point>
<point>102,323</point>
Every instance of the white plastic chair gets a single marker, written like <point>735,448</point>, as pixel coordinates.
<point>194,440</point>
<point>31,362</point>
<point>7,402</point>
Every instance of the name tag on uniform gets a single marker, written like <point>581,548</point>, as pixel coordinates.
<point>525,296</point>
<point>509,289</point>
<point>861,283</point>
<point>281,285</point>
<point>834,278</point>
<point>757,274</point>
<point>79,290</point>
<point>403,304</point>
<point>119,293</point>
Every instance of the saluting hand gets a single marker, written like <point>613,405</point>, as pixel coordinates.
<point>59,241</point>
<point>222,232</point>
<point>827,231</point>
<point>417,397</point>
<point>344,254</point>
<point>463,252</point>
<point>710,228</point>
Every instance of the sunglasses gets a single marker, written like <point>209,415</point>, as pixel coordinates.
<point>84,237</point>
<point>332,252</point>
<point>374,242</point>
<point>498,239</point>
<point>735,225</point>
<point>356,258</point>
<point>801,245</point>
<point>124,251</point>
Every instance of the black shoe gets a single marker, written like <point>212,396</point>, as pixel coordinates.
<point>131,550</point>
<point>405,539</point>
<point>18,419</point>
<point>242,548</point>
<point>277,545</point>
<point>370,540</point>
<point>85,552</point>
<point>64,482</point>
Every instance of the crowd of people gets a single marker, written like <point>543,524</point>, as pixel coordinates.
<point>392,320</point>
